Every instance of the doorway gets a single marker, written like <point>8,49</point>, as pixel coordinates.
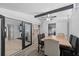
<point>15,35</point>
<point>13,40</point>
<point>52,29</point>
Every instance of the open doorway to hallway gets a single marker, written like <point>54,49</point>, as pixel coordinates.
<point>15,35</point>
<point>13,40</point>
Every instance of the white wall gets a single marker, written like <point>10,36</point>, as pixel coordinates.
<point>61,25</point>
<point>14,26</point>
<point>74,22</point>
<point>44,27</point>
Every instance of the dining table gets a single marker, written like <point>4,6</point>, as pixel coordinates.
<point>63,41</point>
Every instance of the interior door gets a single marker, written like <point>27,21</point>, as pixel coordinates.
<point>27,34</point>
<point>2,35</point>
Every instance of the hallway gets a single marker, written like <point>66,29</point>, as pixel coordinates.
<point>12,46</point>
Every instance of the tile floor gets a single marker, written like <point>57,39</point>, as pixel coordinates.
<point>30,51</point>
<point>12,46</point>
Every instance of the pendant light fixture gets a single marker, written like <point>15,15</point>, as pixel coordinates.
<point>48,17</point>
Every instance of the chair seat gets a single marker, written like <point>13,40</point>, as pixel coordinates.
<point>69,49</point>
<point>42,42</point>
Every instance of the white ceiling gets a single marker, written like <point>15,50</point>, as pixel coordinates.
<point>32,8</point>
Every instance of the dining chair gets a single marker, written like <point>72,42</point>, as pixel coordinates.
<point>40,43</point>
<point>71,50</point>
<point>51,48</point>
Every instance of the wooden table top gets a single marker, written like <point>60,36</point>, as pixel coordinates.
<point>62,40</point>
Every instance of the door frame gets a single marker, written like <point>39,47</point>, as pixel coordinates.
<point>23,34</point>
<point>2,35</point>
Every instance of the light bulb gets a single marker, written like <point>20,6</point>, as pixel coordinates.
<point>48,19</point>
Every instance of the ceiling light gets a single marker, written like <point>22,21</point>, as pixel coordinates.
<point>48,19</point>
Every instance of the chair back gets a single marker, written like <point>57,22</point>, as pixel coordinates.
<point>39,38</point>
<point>51,47</point>
<point>71,37</point>
<point>74,42</point>
<point>43,35</point>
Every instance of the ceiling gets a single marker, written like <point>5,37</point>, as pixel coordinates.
<point>32,8</point>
